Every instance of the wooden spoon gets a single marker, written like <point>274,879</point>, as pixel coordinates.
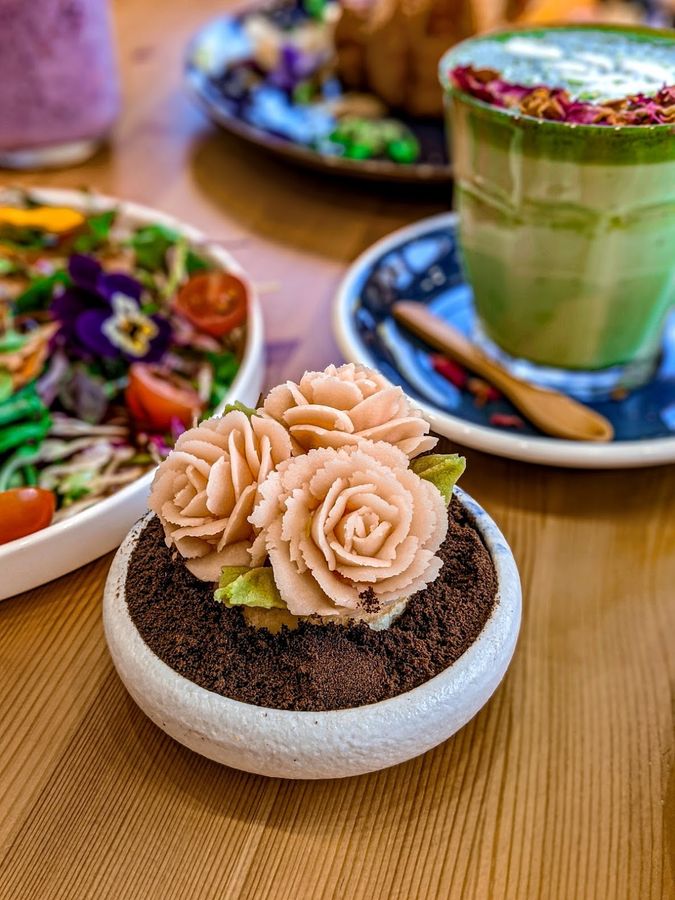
<point>552,412</point>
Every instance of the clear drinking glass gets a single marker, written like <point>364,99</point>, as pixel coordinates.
<point>567,231</point>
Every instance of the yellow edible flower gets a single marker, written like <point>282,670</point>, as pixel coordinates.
<point>54,219</point>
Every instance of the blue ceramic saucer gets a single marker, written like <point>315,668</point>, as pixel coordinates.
<point>422,263</point>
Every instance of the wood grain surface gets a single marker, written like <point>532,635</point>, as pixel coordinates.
<point>562,787</point>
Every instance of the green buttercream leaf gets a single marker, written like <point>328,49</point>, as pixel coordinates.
<point>228,574</point>
<point>239,407</point>
<point>441,469</point>
<point>240,586</point>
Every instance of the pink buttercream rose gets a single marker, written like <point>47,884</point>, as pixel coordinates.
<point>339,524</point>
<point>341,406</point>
<point>205,490</point>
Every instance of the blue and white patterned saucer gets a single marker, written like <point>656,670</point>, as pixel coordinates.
<point>421,263</point>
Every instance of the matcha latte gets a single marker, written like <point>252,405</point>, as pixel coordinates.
<point>563,143</point>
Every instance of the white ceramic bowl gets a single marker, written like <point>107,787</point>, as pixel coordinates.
<point>60,548</point>
<point>333,744</point>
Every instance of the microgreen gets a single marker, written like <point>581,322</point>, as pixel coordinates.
<point>97,231</point>
<point>39,293</point>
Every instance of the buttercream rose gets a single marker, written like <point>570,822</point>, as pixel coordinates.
<point>341,406</point>
<point>348,526</point>
<point>205,490</point>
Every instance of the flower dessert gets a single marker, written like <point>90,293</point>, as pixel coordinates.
<point>316,532</point>
<point>114,338</point>
<point>565,186</point>
<point>344,406</point>
<point>352,529</point>
<point>205,491</point>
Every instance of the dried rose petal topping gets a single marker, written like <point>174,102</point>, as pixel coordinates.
<point>555,104</point>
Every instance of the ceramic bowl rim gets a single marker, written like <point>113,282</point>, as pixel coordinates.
<point>504,617</point>
<point>250,358</point>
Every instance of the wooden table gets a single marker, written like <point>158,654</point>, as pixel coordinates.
<point>562,787</point>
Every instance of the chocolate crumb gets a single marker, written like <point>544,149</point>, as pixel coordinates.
<point>369,602</point>
<point>314,667</point>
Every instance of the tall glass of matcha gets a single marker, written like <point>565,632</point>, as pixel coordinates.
<point>563,146</point>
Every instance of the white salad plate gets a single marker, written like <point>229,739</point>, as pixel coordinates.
<point>333,744</point>
<point>31,561</point>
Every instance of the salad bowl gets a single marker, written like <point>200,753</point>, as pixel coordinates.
<point>37,558</point>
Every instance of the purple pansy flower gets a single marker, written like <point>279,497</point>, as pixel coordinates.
<point>294,66</point>
<point>101,315</point>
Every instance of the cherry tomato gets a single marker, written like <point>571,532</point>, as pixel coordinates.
<point>23,511</point>
<point>214,302</point>
<point>154,398</point>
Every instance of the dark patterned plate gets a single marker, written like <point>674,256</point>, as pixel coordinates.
<point>422,263</point>
<point>267,117</point>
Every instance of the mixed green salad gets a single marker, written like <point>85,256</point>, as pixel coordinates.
<point>114,338</point>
